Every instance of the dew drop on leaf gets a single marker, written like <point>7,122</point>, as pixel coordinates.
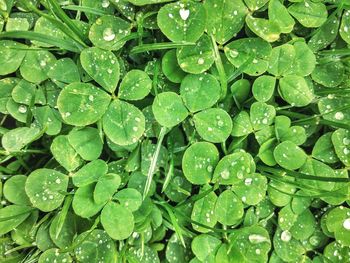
<point>108,34</point>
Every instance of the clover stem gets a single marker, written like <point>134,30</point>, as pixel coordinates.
<point>169,174</point>
<point>153,165</point>
<point>220,68</point>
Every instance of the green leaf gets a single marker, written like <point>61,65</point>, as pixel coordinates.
<point>171,68</point>
<point>64,70</point>
<point>341,142</point>
<point>280,60</point>
<point>240,90</point>
<point>47,119</point>
<point>123,123</point>
<point>338,221</point>
<point>200,92</point>
<point>254,5</point>
<point>317,168</point>
<point>203,212</point>
<point>95,245</point>
<point>296,90</point>
<point>344,27</point>
<point>261,115</point>
<point>182,21</point>
<point>83,202</point>
<point>147,2</point>
<point>68,228</point>
<point>10,59</point>
<point>252,190</point>
<point>309,14</point>
<point>36,65</point>
<point>13,190</point>
<point>329,74</point>
<point>81,104</point>
<point>287,247</point>
<point>168,109</point>
<point>117,220</point>
<point>108,31</point>
<point>288,155</point>
<point>328,108</point>
<point>90,173</point>
<point>241,50</point>
<point>251,244</point>
<point>268,30</point>
<point>54,255</point>
<point>12,216</point>
<point>263,88</point>
<point>279,14</point>
<point>234,168</point>
<point>213,125</point>
<point>305,60</point>
<point>105,187</point>
<point>199,161</point>
<point>44,188</point>
<point>204,245</point>
<point>46,27</point>
<point>228,208</point>
<point>323,149</point>
<point>65,154</point>
<point>86,142</point>
<point>16,139</point>
<point>324,35</point>
<point>230,21</point>
<point>135,85</point>
<point>196,59</point>
<point>241,124</point>
<point>129,198</point>
<point>102,66</point>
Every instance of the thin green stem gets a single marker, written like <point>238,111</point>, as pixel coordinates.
<point>153,165</point>
<point>219,67</point>
<point>159,46</point>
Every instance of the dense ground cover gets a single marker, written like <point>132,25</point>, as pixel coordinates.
<point>175,131</point>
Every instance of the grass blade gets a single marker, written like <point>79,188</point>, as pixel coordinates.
<point>159,46</point>
<point>155,156</point>
<point>30,35</point>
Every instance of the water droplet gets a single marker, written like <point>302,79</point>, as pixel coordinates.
<point>220,123</point>
<point>58,181</point>
<point>339,116</point>
<point>108,34</point>
<point>43,63</point>
<point>135,128</point>
<point>109,71</point>
<point>210,129</point>
<point>184,13</point>
<point>248,181</point>
<point>346,151</point>
<point>233,53</point>
<point>286,236</point>
<point>346,223</point>
<point>256,239</point>
<point>210,168</point>
<point>105,3</point>
<point>257,251</point>
<point>137,119</point>
<point>225,174</point>
<point>346,141</point>
<point>171,15</point>
<point>200,61</point>
<point>22,108</point>
<point>314,240</point>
